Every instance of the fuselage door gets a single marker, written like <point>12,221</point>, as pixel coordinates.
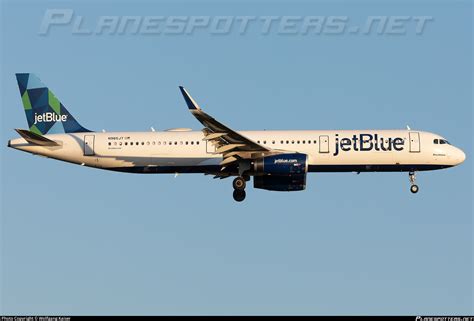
<point>414,142</point>
<point>89,145</point>
<point>324,144</point>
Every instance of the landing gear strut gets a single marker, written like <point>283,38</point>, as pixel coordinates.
<point>239,189</point>
<point>413,188</point>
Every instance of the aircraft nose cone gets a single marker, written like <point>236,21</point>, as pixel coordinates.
<point>460,156</point>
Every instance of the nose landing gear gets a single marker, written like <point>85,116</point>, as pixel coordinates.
<point>239,189</point>
<point>413,188</point>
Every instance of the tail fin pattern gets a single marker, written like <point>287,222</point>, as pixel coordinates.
<point>44,112</point>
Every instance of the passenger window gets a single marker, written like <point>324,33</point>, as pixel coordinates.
<point>143,143</point>
<point>315,143</point>
<point>264,142</point>
<point>197,143</point>
<point>192,143</point>
<point>273,142</point>
<point>281,142</point>
<point>304,142</point>
<point>126,143</point>
<point>110,143</point>
<point>186,143</point>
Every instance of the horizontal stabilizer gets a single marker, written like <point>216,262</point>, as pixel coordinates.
<point>35,139</point>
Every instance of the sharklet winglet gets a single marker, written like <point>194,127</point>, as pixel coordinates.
<point>189,100</point>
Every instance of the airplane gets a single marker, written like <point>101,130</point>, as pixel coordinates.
<point>277,160</point>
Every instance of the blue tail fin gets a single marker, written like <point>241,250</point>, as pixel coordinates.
<point>44,112</point>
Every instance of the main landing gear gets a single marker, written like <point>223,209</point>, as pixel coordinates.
<point>413,188</point>
<point>239,188</point>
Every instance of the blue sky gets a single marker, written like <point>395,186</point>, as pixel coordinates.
<point>76,240</point>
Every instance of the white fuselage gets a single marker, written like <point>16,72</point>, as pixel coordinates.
<point>188,152</point>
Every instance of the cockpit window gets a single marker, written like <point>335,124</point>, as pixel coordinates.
<point>441,141</point>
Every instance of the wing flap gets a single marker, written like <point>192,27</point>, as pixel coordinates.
<point>214,136</point>
<point>229,147</point>
<point>228,160</point>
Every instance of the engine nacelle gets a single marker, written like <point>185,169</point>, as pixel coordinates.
<point>283,172</point>
<point>280,183</point>
<point>282,164</point>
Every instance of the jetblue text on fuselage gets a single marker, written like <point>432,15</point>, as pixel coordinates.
<point>368,142</point>
<point>49,117</point>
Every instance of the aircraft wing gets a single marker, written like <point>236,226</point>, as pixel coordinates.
<point>228,142</point>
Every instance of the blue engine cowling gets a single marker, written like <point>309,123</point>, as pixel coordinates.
<point>283,172</point>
